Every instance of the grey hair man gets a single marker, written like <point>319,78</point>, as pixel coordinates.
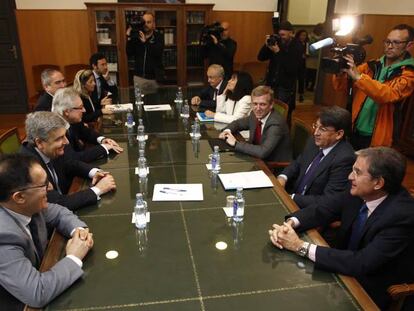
<point>325,163</point>
<point>217,84</point>
<point>25,217</point>
<point>68,104</point>
<point>46,140</point>
<point>52,80</point>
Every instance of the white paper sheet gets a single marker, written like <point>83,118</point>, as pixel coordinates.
<point>165,107</point>
<point>120,107</point>
<point>178,192</point>
<point>247,180</point>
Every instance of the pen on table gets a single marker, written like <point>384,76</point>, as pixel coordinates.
<point>171,192</point>
<point>152,108</point>
<point>172,189</point>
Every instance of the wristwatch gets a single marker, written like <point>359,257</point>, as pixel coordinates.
<point>303,250</point>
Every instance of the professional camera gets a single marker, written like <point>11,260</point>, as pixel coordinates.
<point>137,24</point>
<point>214,29</point>
<point>273,40</point>
<point>337,62</point>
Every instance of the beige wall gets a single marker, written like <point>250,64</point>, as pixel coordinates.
<point>308,12</point>
<point>388,7</point>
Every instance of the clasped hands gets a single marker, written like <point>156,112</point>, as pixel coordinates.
<point>284,236</point>
<point>228,137</point>
<point>80,243</point>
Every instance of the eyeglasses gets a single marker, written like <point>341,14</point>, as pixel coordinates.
<point>321,128</point>
<point>45,185</point>
<point>77,108</point>
<point>394,42</point>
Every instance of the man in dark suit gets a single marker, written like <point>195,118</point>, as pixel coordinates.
<point>25,216</point>
<point>208,95</point>
<point>326,161</point>
<point>46,140</point>
<point>68,105</point>
<point>269,135</point>
<point>375,242</point>
<point>52,80</point>
<point>105,86</point>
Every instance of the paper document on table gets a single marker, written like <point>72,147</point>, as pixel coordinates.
<point>247,180</point>
<point>120,107</point>
<point>165,107</point>
<point>178,192</point>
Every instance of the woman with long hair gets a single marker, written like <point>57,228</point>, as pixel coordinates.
<point>234,102</point>
<point>84,84</point>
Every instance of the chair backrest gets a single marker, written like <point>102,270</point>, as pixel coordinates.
<point>36,71</point>
<point>257,70</point>
<point>71,70</point>
<point>281,108</point>
<point>10,141</point>
<point>300,133</point>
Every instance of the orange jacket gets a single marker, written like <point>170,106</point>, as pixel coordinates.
<point>396,89</point>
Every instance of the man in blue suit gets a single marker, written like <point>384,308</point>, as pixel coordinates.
<point>375,241</point>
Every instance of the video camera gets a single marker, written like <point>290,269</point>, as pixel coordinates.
<point>337,62</point>
<point>273,40</point>
<point>214,29</point>
<point>137,24</point>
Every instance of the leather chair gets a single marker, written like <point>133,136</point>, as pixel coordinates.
<point>281,108</point>
<point>10,141</point>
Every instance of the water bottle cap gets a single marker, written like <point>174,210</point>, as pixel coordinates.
<point>239,189</point>
<point>138,195</point>
<point>216,148</point>
<point>140,121</point>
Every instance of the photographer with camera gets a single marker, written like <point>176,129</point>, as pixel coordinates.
<point>379,89</point>
<point>285,55</point>
<point>218,47</point>
<point>145,45</point>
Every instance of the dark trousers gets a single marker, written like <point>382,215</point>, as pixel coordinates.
<point>301,80</point>
<point>288,96</point>
<point>310,79</point>
<point>359,141</point>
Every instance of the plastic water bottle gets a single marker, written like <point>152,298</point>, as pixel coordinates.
<point>215,160</point>
<point>238,205</point>
<point>141,130</point>
<point>179,96</point>
<point>138,96</point>
<point>185,111</point>
<point>130,119</point>
<point>142,164</point>
<point>196,129</point>
<point>140,211</point>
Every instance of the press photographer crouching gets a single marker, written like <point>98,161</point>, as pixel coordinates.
<point>379,89</point>
<point>218,47</point>
<point>285,55</point>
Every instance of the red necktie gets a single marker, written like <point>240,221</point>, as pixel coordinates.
<point>258,133</point>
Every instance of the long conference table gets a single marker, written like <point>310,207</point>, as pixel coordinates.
<point>174,263</point>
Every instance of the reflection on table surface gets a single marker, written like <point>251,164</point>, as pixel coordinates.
<point>190,256</point>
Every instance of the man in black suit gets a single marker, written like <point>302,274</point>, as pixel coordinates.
<point>105,86</point>
<point>208,95</point>
<point>326,161</point>
<point>46,140</point>
<point>269,135</point>
<point>375,241</point>
<point>68,104</point>
<point>52,80</point>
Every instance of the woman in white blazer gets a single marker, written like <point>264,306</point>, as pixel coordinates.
<point>234,102</point>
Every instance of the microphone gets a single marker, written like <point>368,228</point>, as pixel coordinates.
<point>321,44</point>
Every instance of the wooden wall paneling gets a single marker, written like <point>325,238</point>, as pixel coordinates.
<point>52,37</point>
<point>248,29</point>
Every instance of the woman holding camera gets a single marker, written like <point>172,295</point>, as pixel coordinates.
<point>84,84</point>
<point>234,102</point>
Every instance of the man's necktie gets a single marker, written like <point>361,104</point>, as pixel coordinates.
<point>357,227</point>
<point>54,176</point>
<point>215,94</point>
<point>34,231</point>
<point>258,133</point>
<point>301,189</point>
<point>99,86</point>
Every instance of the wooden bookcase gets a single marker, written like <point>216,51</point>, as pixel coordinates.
<point>179,23</point>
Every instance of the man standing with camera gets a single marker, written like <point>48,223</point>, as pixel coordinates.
<point>221,48</point>
<point>379,90</point>
<point>145,45</point>
<point>285,55</point>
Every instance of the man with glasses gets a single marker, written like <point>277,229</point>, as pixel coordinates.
<point>217,84</point>
<point>25,217</point>
<point>69,106</point>
<point>52,80</point>
<point>379,90</point>
<point>325,163</point>
<point>375,241</point>
<point>46,140</point>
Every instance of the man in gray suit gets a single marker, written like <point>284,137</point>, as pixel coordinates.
<point>25,216</point>
<point>269,134</point>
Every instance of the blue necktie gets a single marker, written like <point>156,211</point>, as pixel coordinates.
<point>301,189</point>
<point>357,227</point>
